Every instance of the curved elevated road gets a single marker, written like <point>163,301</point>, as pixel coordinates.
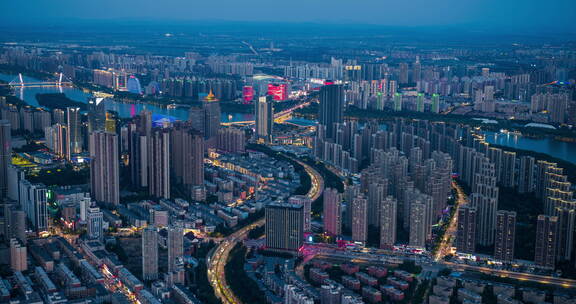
<point>216,263</point>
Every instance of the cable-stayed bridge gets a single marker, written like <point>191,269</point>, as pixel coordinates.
<point>60,80</point>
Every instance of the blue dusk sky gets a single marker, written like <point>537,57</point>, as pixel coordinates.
<point>521,15</point>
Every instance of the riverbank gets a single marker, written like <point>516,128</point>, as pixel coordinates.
<point>58,101</point>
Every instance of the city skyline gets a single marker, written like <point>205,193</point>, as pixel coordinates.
<point>322,152</point>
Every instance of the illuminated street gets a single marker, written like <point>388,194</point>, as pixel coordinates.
<point>561,282</point>
<point>445,246</point>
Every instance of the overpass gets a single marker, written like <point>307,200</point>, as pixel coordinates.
<point>279,117</point>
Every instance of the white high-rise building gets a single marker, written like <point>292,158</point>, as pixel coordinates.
<point>95,223</point>
<point>33,199</point>
<point>85,203</point>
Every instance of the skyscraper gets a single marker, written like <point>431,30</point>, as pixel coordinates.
<point>306,202</point>
<point>398,102</point>
<point>42,119</point>
<point>542,168</point>
<point>138,161</point>
<point>58,116</point>
<point>85,204</point>
<point>360,219</point>
<point>331,107</point>
<point>388,214</point>
<point>211,106</point>
<point>33,199</point>
<point>15,175</point>
<point>403,73</point>
<point>508,169</point>
<point>416,70</point>
<point>526,174</point>
<point>14,223</point>
<point>546,239</point>
<point>421,224</point>
<point>96,114</point>
<point>393,87</point>
<point>27,119</point>
<point>18,259</point>
<point>232,140</point>
<point>57,140</point>
<point>74,129</point>
<point>566,224</point>
<point>332,212</point>
<point>495,156</point>
<point>104,167</point>
<point>435,103</point>
<point>485,199</point>
<point>94,219</point>
<point>264,112</point>
<point>187,159</point>
<point>149,254</point>
<point>420,102</point>
<point>5,156</point>
<point>111,122</point>
<point>418,224</point>
<point>466,230</point>
<point>505,235</point>
<point>159,163</point>
<point>197,118</point>
<point>175,246</point>
<point>284,226</point>
<point>377,191</point>
<point>145,122</point>
<point>557,190</point>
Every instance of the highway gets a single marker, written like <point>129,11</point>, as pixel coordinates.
<point>566,283</point>
<point>397,257</point>
<point>445,247</point>
<point>220,255</point>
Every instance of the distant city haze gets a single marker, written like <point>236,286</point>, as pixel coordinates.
<point>493,15</point>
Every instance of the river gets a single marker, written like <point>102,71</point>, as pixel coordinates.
<point>124,109</point>
<point>559,149</point>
